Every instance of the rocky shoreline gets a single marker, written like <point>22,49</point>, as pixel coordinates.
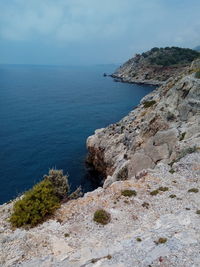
<point>151,133</point>
<point>154,151</point>
<point>120,78</point>
<point>117,78</point>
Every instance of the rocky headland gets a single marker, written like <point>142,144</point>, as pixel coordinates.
<point>154,152</point>
<point>155,66</point>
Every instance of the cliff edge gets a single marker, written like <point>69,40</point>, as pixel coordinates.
<point>162,128</point>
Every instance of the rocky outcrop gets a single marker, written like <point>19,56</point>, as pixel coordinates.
<point>145,74</point>
<point>160,129</point>
<point>156,66</point>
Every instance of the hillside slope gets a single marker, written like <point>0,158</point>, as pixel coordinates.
<point>156,66</point>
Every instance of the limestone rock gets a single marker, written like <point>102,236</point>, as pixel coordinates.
<point>151,134</point>
<point>138,162</point>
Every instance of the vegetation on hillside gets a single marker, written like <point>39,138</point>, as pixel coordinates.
<point>102,217</point>
<point>41,201</point>
<point>170,56</point>
<point>59,182</point>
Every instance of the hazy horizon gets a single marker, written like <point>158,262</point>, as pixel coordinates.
<point>62,65</point>
<point>91,32</point>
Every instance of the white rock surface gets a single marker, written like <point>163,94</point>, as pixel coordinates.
<point>115,244</point>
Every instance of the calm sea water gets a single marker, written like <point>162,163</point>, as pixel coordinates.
<point>46,114</point>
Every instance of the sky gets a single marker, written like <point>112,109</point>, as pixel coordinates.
<point>85,32</point>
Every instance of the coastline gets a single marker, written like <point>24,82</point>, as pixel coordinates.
<point>118,78</point>
<point>116,147</point>
<point>154,152</point>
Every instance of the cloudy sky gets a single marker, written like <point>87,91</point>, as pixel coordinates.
<point>93,31</point>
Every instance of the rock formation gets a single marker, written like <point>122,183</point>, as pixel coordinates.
<point>155,66</point>
<point>161,129</point>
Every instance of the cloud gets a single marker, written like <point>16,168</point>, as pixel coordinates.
<point>63,20</point>
<point>23,20</point>
<point>106,30</point>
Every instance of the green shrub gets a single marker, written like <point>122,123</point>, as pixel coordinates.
<point>197,74</point>
<point>59,182</point>
<point>101,216</point>
<point>172,196</point>
<point>172,171</point>
<point>171,56</point>
<point>154,192</point>
<point>157,191</point>
<point>163,188</point>
<point>193,190</point>
<point>148,104</point>
<point>35,205</point>
<point>66,234</point>
<point>128,193</point>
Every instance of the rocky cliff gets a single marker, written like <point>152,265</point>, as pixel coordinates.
<point>161,129</point>
<point>156,66</point>
<point>154,151</point>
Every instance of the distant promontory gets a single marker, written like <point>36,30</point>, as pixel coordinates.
<point>156,65</point>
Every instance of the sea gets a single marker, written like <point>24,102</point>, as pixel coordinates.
<point>46,115</point>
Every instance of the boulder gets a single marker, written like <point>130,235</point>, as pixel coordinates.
<point>138,162</point>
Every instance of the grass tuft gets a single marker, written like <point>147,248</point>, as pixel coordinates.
<point>193,190</point>
<point>128,193</point>
<point>154,192</point>
<point>148,104</point>
<point>161,188</point>
<point>172,171</point>
<point>102,217</point>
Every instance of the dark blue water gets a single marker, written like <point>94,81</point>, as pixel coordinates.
<point>46,114</point>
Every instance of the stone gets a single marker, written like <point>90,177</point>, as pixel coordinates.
<point>156,152</point>
<point>168,137</point>
<point>139,162</point>
<point>109,180</point>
